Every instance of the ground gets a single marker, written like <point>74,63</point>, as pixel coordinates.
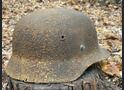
<point>107,18</point>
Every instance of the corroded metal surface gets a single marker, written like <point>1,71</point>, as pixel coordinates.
<point>53,46</point>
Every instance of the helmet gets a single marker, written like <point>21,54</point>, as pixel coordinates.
<point>53,46</point>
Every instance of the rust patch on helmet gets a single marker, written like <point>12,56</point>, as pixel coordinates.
<point>89,65</point>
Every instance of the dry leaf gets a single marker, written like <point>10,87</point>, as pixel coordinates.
<point>111,68</point>
<point>107,47</point>
<point>76,8</point>
<point>111,36</point>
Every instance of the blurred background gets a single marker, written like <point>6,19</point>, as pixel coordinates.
<point>105,14</point>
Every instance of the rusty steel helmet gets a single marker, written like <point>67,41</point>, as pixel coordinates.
<point>53,46</point>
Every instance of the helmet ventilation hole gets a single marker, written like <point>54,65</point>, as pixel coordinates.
<point>62,37</point>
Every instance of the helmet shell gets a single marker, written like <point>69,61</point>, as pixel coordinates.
<point>53,46</point>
